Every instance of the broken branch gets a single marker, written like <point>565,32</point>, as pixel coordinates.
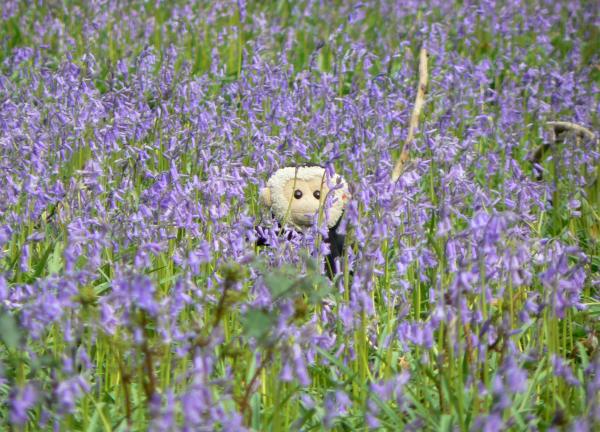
<point>414,118</point>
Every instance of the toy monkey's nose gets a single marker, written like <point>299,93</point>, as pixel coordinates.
<point>307,217</point>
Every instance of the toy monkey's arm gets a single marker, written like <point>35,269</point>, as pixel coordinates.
<point>261,236</point>
<point>264,236</point>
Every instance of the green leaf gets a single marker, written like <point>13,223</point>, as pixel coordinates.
<point>279,284</point>
<point>446,422</point>
<point>39,268</point>
<point>99,413</point>
<point>55,261</point>
<point>9,330</point>
<point>318,289</point>
<point>257,323</point>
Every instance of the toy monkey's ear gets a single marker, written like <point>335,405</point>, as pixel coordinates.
<point>265,196</point>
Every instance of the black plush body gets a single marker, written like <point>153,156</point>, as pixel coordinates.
<point>335,240</point>
<point>336,249</point>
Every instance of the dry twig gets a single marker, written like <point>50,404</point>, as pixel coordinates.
<point>559,127</point>
<point>559,131</point>
<point>414,118</point>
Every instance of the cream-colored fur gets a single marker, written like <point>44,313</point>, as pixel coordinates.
<point>285,182</point>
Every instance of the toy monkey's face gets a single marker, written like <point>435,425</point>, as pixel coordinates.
<point>304,198</point>
<point>297,195</point>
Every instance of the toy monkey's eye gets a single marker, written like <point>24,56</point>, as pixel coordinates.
<point>297,194</point>
<point>317,194</point>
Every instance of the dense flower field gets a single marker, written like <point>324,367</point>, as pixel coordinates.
<point>134,137</point>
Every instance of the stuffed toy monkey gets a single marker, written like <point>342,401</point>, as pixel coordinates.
<point>297,197</point>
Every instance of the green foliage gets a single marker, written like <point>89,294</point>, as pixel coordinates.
<point>9,330</point>
<point>306,289</point>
